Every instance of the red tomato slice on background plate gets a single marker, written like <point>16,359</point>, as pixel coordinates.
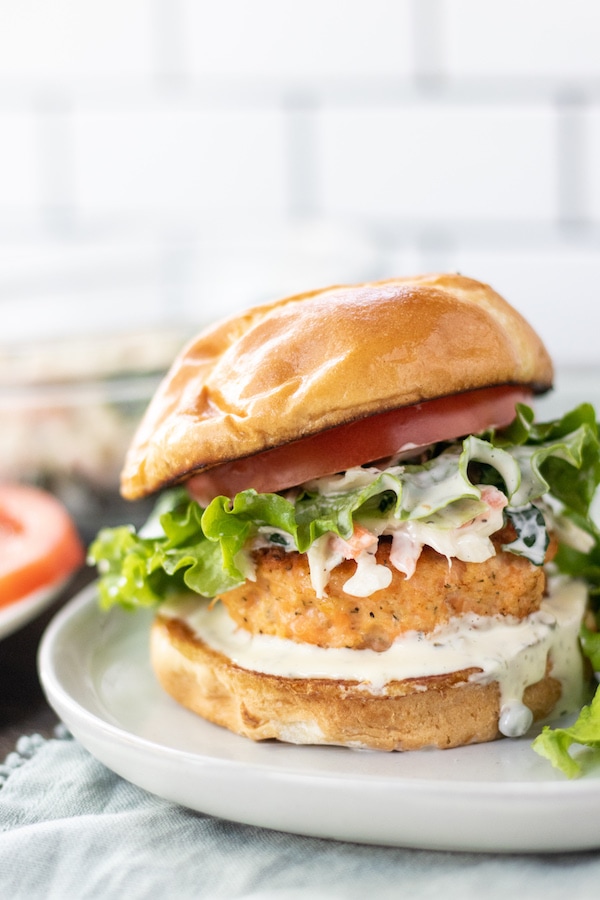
<point>364,440</point>
<point>39,544</point>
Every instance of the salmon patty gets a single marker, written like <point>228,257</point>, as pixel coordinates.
<point>282,602</point>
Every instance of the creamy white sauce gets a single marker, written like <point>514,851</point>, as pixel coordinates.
<point>512,652</point>
<point>515,719</point>
<point>369,576</point>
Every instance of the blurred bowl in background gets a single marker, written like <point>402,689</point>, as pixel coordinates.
<point>68,410</point>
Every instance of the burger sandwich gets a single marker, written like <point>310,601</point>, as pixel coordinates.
<point>362,537</point>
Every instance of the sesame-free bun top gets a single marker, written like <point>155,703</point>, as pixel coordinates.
<point>300,365</point>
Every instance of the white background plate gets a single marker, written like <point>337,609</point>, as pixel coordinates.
<point>498,797</point>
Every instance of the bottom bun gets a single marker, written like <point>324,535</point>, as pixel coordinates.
<point>440,711</point>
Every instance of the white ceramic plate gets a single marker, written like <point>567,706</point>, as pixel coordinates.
<point>19,613</point>
<point>492,797</point>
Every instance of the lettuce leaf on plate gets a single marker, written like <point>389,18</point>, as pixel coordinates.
<point>554,743</point>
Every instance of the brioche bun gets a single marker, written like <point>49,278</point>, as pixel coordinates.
<point>293,368</point>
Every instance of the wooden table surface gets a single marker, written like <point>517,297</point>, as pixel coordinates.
<point>23,707</point>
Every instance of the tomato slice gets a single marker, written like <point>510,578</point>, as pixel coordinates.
<point>39,544</point>
<point>364,440</point>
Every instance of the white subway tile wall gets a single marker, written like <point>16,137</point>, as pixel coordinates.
<point>591,161</point>
<point>534,38</point>
<point>428,162</point>
<point>47,44</point>
<point>175,160</point>
<point>298,43</point>
<point>133,160</point>
<point>19,187</point>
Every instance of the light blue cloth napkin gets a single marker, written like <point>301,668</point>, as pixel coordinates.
<point>70,828</point>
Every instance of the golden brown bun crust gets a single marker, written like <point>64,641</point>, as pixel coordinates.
<point>441,711</point>
<point>295,367</point>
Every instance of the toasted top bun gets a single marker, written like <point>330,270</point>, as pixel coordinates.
<point>297,366</point>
